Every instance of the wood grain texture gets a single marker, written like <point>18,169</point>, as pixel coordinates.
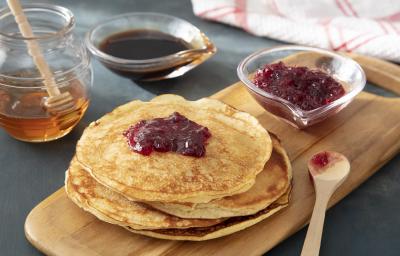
<point>367,132</point>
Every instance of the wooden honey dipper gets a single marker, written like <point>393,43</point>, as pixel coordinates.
<point>57,102</point>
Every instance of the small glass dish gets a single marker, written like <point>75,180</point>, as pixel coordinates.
<point>343,69</point>
<point>170,66</point>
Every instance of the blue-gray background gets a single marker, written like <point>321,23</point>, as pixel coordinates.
<point>367,222</point>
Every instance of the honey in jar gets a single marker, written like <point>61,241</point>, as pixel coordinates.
<point>22,90</point>
<point>24,116</point>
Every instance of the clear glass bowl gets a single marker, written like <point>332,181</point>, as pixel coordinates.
<point>22,91</point>
<point>343,69</point>
<point>170,66</point>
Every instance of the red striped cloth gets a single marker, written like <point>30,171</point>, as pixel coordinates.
<point>364,26</point>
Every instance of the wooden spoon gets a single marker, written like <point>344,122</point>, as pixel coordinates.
<point>57,102</point>
<point>329,170</point>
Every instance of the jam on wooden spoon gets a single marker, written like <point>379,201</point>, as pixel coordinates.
<point>329,170</point>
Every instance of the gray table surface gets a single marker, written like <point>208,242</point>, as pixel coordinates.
<point>367,222</point>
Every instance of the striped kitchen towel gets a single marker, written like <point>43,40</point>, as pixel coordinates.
<point>368,27</point>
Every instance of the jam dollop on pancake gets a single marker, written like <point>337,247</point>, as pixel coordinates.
<point>174,133</point>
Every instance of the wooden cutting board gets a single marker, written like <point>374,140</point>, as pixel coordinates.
<point>367,132</point>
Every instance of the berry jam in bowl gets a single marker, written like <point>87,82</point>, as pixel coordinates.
<point>302,85</point>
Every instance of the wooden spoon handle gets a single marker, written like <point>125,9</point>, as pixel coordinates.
<point>312,243</point>
<point>33,47</point>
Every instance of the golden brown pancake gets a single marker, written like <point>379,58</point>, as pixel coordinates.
<point>227,227</point>
<point>270,184</point>
<point>236,152</point>
<point>111,207</point>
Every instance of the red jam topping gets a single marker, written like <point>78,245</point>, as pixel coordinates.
<point>308,89</point>
<point>320,159</point>
<point>174,133</point>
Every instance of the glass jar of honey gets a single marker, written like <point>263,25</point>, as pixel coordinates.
<point>22,92</point>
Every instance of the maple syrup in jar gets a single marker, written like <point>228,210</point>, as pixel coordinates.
<point>23,114</point>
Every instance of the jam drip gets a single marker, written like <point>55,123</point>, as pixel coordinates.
<point>307,89</point>
<point>174,133</point>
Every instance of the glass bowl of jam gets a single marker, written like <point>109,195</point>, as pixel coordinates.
<point>301,85</point>
<point>148,46</point>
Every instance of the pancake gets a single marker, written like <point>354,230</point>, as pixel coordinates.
<point>270,184</point>
<point>227,227</point>
<point>113,208</point>
<point>236,152</point>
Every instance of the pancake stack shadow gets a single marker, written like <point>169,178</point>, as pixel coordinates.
<point>244,178</point>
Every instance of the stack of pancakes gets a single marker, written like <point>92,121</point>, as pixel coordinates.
<point>244,177</point>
